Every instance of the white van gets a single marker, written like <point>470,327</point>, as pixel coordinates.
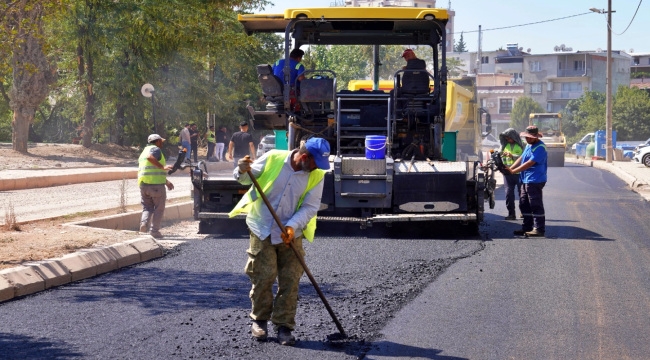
<point>585,140</point>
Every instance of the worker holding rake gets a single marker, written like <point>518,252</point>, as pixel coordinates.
<point>291,184</point>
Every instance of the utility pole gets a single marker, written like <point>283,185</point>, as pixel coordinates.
<point>608,141</point>
<point>608,95</point>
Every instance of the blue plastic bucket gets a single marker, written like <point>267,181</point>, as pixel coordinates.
<point>375,147</point>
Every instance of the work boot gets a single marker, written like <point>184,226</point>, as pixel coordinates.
<point>511,217</point>
<point>521,232</point>
<point>535,233</point>
<point>144,228</point>
<point>285,337</point>
<point>258,330</point>
<point>156,234</point>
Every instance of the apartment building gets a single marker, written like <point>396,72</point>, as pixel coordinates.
<point>553,80</point>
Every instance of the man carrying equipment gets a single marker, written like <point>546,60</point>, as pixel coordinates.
<point>511,149</point>
<point>293,184</point>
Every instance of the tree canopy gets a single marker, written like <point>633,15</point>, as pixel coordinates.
<point>521,110</point>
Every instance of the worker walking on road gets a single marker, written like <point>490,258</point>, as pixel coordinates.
<point>152,179</point>
<point>293,184</point>
<point>532,168</point>
<point>511,149</point>
<point>210,139</point>
<point>241,144</point>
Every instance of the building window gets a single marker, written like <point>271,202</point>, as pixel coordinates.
<point>536,88</point>
<point>535,66</point>
<point>505,106</point>
<point>579,65</point>
<point>485,59</point>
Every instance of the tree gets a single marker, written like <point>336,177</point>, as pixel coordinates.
<point>32,72</point>
<point>631,114</point>
<point>521,110</point>
<point>460,45</point>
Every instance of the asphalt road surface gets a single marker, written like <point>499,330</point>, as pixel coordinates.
<point>425,292</point>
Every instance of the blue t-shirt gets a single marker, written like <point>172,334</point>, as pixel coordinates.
<point>296,69</point>
<point>537,172</point>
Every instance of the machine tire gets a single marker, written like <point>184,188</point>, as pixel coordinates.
<point>646,160</point>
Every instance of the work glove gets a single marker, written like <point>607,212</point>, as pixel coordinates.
<point>244,164</point>
<point>287,237</point>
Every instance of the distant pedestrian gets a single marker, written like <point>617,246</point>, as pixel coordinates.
<point>186,142</point>
<point>194,139</point>
<point>152,179</point>
<point>210,139</point>
<point>511,149</point>
<point>222,139</point>
<point>241,144</point>
<point>532,167</point>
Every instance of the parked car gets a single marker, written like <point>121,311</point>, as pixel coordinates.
<point>267,143</point>
<point>642,156</point>
<point>585,140</point>
<point>640,146</point>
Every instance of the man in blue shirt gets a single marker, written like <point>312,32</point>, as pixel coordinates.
<point>295,67</point>
<point>531,167</point>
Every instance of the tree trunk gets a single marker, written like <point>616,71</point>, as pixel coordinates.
<point>31,70</point>
<point>20,128</point>
<point>86,76</point>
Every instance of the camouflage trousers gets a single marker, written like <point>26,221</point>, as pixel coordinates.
<point>266,262</point>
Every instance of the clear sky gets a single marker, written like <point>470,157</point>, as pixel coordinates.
<point>583,32</point>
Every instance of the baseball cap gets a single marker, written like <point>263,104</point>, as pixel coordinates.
<point>243,123</point>
<point>154,137</point>
<point>407,51</point>
<point>319,149</point>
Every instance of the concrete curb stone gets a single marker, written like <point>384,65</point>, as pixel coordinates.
<point>24,280</point>
<point>52,271</point>
<point>37,276</point>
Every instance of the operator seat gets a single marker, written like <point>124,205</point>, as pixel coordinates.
<point>412,95</point>
<point>272,87</point>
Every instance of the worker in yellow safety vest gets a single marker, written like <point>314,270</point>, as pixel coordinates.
<point>511,149</point>
<point>293,184</point>
<point>152,179</point>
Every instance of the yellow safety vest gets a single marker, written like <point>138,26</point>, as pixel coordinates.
<point>274,162</point>
<point>148,173</point>
<point>211,136</point>
<point>515,149</point>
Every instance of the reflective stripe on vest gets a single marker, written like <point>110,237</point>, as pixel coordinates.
<point>148,173</point>
<point>274,163</point>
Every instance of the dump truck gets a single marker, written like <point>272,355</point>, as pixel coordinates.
<point>550,126</point>
<point>392,159</point>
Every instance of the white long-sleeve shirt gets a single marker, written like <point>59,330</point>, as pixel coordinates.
<point>283,196</point>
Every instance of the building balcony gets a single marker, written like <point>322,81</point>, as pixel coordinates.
<point>573,73</point>
<point>564,95</point>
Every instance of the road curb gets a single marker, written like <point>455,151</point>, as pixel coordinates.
<point>34,277</point>
<point>64,177</point>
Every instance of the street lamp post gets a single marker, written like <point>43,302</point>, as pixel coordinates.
<point>608,95</point>
<point>147,90</point>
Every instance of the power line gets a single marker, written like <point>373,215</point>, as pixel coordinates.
<point>527,24</point>
<point>633,16</point>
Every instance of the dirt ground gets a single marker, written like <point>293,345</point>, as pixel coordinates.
<point>47,239</point>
